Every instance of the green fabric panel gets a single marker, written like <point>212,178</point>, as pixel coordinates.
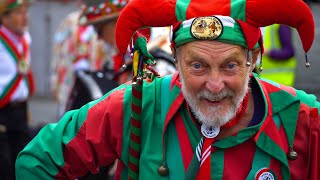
<point>308,99</point>
<point>126,133</point>
<point>6,90</point>
<point>15,57</point>
<point>217,164</point>
<point>288,112</point>
<point>238,9</point>
<point>192,130</point>
<point>165,92</point>
<point>266,144</point>
<point>181,9</point>
<point>151,131</point>
<point>193,168</point>
<point>260,160</point>
<point>174,156</point>
<point>277,120</point>
<point>241,137</point>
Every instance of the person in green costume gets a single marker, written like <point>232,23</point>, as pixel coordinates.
<point>213,119</point>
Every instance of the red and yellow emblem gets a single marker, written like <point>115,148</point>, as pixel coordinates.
<point>209,28</point>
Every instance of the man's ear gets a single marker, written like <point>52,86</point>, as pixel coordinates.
<point>255,55</point>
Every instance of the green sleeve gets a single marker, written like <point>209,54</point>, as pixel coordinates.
<point>82,141</point>
<point>308,99</point>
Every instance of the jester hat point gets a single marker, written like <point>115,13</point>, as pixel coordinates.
<point>232,21</point>
<point>97,11</point>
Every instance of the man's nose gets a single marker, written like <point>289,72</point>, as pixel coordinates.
<point>215,82</point>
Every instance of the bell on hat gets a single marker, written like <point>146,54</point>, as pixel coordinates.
<point>7,5</point>
<point>97,11</point>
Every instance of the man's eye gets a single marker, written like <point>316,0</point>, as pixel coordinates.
<point>231,66</point>
<point>196,65</point>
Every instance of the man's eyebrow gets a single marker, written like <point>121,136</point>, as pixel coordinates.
<point>194,55</point>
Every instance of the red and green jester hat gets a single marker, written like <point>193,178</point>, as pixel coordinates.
<point>240,19</point>
<point>232,21</point>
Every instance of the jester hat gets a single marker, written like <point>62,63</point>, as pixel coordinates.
<point>8,5</point>
<point>236,21</point>
<point>97,11</point>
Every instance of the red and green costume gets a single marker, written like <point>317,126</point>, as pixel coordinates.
<point>147,125</point>
<point>98,133</point>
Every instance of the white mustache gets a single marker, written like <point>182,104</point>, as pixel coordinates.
<point>214,97</point>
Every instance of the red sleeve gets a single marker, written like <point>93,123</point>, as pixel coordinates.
<point>98,142</point>
<point>306,144</point>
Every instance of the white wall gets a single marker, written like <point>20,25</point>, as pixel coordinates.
<point>44,20</point>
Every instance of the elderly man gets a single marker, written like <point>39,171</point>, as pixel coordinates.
<point>16,82</point>
<point>213,119</point>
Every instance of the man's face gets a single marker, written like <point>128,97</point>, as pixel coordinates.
<point>214,79</point>
<point>17,19</point>
<point>105,31</point>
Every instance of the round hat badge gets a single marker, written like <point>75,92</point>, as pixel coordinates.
<point>206,28</point>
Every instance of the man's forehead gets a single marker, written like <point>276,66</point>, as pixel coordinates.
<point>196,47</point>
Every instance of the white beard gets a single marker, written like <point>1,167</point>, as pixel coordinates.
<point>214,116</point>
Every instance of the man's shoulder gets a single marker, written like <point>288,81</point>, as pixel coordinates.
<point>286,92</point>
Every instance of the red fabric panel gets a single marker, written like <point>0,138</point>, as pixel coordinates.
<point>252,34</point>
<point>98,141</point>
<point>208,7</point>
<point>185,145</point>
<point>242,153</point>
<point>306,144</point>
<point>275,167</point>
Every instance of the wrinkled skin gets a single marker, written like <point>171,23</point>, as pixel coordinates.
<point>214,79</point>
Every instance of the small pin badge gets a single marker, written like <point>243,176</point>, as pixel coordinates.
<point>265,174</point>
<point>206,28</point>
<point>209,131</point>
<point>23,67</point>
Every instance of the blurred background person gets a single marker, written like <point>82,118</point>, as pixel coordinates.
<point>279,61</point>
<point>72,51</point>
<point>16,83</point>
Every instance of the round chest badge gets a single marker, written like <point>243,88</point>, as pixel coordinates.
<point>209,131</point>
<point>209,28</point>
<point>23,67</point>
<point>265,174</point>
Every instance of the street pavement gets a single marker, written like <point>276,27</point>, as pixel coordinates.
<point>44,109</point>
